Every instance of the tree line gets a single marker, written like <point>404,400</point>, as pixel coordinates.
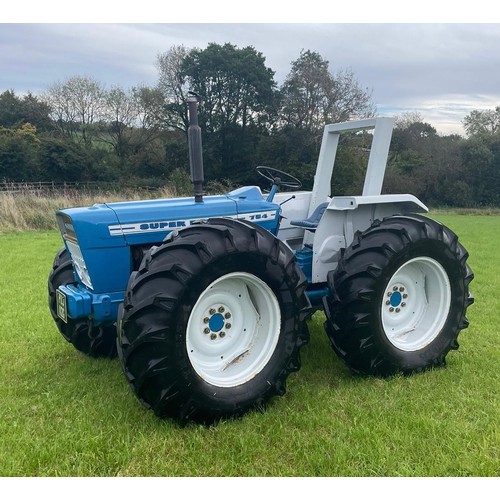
<point>79,130</point>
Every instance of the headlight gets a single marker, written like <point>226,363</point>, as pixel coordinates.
<point>68,233</point>
<point>79,263</point>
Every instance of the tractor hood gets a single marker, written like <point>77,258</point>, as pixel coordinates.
<point>149,221</point>
<point>99,237</point>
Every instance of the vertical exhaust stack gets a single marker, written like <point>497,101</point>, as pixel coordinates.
<point>195,151</point>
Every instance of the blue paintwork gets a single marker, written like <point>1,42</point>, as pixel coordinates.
<point>274,190</point>
<point>304,260</point>
<point>216,322</point>
<point>106,232</point>
<point>78,302</point>
<point>396,299</point>
<point>82,303</point>
<point>316,295</point>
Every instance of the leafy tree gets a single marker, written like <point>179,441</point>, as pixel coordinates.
<point>485,122</point>
<point>64,160</point>
<point>19,154</point>
<point>481,158</point>
<point>350,99</point>
<point>406,119</point>
<point>119,115</point>
<point>312,96</point>
<point>443,177</point>
<point>36,112</point>
<point>176,151</point>
<point>16,111</point>
<point>412,144</point>
<point>149,121</point>
<point>174,86</point>
<point>234,83</point>
<point>10,109</point>
<point>350,165</point>
<point>306,92</point>
<point>149,163</point>
<point>426,164</point>
<point>77,104</point>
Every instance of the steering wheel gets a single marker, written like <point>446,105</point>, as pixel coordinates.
<point>279,178</point>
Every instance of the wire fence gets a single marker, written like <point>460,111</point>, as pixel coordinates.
<point>58,187</point>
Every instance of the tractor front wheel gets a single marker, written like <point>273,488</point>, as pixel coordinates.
<point>213,321</point>
<point>94,341</point>
<point>398,297</point>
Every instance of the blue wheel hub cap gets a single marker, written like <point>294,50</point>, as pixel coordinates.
<point>216,322</point>
<point>396,299</point>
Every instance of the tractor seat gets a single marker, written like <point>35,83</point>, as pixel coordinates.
<point>311,223</point>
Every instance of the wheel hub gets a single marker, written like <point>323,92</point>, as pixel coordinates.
<point>397,298</point>
<point>215,322</point>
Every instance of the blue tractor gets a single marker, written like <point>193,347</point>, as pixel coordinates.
<point>205,299</point>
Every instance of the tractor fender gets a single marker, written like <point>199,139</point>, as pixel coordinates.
<point>347,214</point>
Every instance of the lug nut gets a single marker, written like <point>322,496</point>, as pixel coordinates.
<point>401,288</point>
<point>206,320</point>
<point>221,309</point>
<point>389,294</point>
<point>405,295</point>
<point>398,309</point>
<point>403,304</point>
<point>391,309</point>
<point>212,311</point>
<point>213,336</point>
<point>222,335</point>
<point>387,302</point>
<point>228,326</point>
<point>207,330</point>
<point>227,315</point>
<point>395,288</point>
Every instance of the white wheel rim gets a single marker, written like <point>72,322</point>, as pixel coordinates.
<point>233,329</point>
<point>416,303</point>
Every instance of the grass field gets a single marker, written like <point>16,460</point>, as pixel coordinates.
<point>63,414</point>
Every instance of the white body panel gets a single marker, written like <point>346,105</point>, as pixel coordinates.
<point>347,214</point>
<point>294,209</point>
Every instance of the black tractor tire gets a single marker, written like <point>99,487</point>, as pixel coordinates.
<point>95,341</point>
<point>177,352</point>
<point>398,298</point>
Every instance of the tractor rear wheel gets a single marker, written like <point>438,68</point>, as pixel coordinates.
<point>212,322</point>
<point>398,297</point>
<point>95,341</point>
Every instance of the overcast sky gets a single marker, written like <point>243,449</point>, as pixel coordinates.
<point>441,70</point>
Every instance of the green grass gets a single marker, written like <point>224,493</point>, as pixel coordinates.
<point>63,414</point>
